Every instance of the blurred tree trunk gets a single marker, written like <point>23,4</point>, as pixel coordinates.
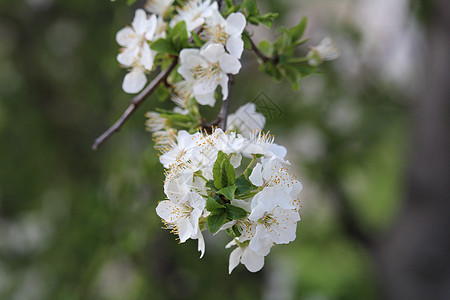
<point>413,258</point>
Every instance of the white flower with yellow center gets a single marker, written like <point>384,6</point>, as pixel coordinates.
<point>325,50</point>
<point>252,260</point>
<point>180,151</point>
<point>182,215</point>
<point>206,69</point>
<point>279,188</point>
<point>263,143</point>
<point>193,13</point>
<point>226,32</point>
<point>246,120</point>
<point>136,53</point>
<point>276,226</point>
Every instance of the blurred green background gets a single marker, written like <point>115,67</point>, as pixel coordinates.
<point>81,224</point>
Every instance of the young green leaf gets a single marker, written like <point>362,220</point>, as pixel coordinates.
<point>212,205</point>
<point>215,221</point>
<point>243,185</point>
<point>296,32</point>
<point>228,192</point>
<point>266,48</point>
<point>234,212</point>
<point>223,171</point>
<point>250,7</point>
<point>179,36</point>
<point>210,184</point>
<point>163,46</point>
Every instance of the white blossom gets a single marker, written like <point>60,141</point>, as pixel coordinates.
<point>206,69</point>
<point>252,260</point>
<point>246,120</point>
<point>182,215</point>
<point>136,53</point>
<point>263,143</point>
<point>276,226</point>
<point>325,50</point>
<point>280,188</point>
<point>181,150</point>
<point>193,13</point>
<point>226,32</point>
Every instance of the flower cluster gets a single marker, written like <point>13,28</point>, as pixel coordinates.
<point>205,68</point>
<point>258,208</point>
<point>234,179</point>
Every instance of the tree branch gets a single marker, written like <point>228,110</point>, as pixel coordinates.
<point>134,104</point>
<point>258,52</point>
<point>223,114</point>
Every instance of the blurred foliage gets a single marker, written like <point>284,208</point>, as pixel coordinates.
<point>79,224</point>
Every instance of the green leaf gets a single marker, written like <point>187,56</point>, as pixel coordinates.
<point>223,171</point>
<point>234,212</point>
<point>267,19</point>
<point>266,47</point>
<point>247,43</point>
<point>212,205</point>
<point>210,184</point>
<point>215,221</point>
<point>296,32</point>
<point>250,7</point>
<point>228,192</point>
<point>293,76</point>
<point>243,185</point>
<point>179,36</point>
<point>163,46</point>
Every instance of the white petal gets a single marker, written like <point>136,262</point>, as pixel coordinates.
<point>235,46</point>
<point>185,229</point>
<point>126,37</point>
<point>194,217</point>
<point>245,205</point>
<point>235,257</point>
<point>201,245</point>
<point>213,52</point>
<point>225,227</point>
<point>204,87</point>
<point>148,57</point>
<point>236,23</point>
<point>197,202</point>
<point>278,151</point>
<point>224,86</point>
<point>230,244</point>
<point>128,56</point>
<point>256,176</point>
<point>140,21</point>
<point>206,99</point>
<point>252,260</point>
<point>186,73</point>
<point>166,210</point>
<point>236,159</point>
<point>151,27</point>
<point>134,81</point>
<point>191,58</point>
<point>260,240</point>
<point>229,64</point>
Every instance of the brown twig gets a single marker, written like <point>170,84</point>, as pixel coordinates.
<point>258,52</point>
<point>134,104</point>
